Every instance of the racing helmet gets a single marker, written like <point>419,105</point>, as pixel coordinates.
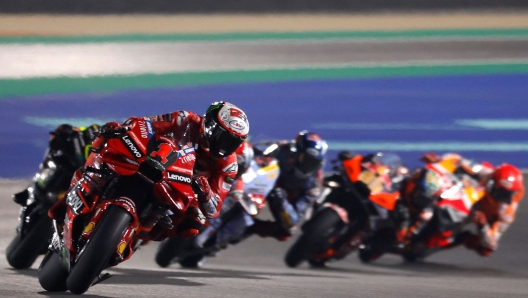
<point>244,155</point>
<point>224,128</point>
<point>310,152</point>
<point>89,133</point>
<point>506,180</point>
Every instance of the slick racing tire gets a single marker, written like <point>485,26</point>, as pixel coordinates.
<point>99,249</point>
<point>23,250</point>
<point>52,274</point>
<point>168,249</point>
<point>315,238</point>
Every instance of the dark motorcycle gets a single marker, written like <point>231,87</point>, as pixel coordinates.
<point>134,187</point>
<point>358,199</point>
<point>34,227</point>
<point>229,227</point>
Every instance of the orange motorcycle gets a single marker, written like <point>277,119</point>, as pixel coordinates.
<point>360,198</point>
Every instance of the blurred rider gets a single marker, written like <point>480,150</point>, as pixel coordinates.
<point>68,148</point>
<point>496,211</point>
<point>216,136</point>
<point>492,215</point>
<point>298,186</point>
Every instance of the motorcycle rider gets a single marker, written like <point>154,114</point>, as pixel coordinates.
<point>297,187</point>
<point>69,146</point>
<point>496,211</point>
<point>492,215</point>
<point>216,136</point>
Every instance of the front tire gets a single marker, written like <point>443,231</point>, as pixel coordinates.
<point>99,249</point>
<point>51,274</point>
<point>22,252</point>
<point>315,238</point>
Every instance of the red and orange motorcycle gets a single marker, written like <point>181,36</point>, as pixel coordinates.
<point>450,196</point>
<point>134,187</point>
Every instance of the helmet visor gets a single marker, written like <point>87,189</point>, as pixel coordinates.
<point>501,194</point>
<point>222,143</point>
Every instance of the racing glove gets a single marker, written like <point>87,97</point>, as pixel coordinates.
<point>111,129</point>
<point>207,200</point>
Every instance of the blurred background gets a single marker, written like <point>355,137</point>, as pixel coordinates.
<point>402,76</point>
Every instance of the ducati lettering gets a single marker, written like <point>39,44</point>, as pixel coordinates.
<point>178,177</point>
<point>131,146</point>
<point>143,130</point>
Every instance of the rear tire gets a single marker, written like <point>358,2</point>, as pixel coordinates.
<point>99,249</point>
<point>51,274</point>
<point>315,237</point>
<point>22,252</point>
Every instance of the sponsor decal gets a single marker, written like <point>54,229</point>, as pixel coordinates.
<point>143,130</point>
<point>226,186</point>
<point>131,146</point>
<point>74,201</point>
<point>149,128</point>
<point>128,203</point>
<point>178,177</point>
<point>238,125</point>
<point>131,161</point>
<point>229,180</point>
<point>188,158</point>
<point>232,168</point>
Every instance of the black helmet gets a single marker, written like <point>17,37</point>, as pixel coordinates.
<point>311,151</point>
<point>225,127</point>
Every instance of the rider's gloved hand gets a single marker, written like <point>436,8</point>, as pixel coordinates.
<point>207,200</point>
<point>111,129</point>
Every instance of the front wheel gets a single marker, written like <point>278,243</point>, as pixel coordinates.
<point>99,249</point>
<point>23,250</point>
<point>52,274</point>
<point>315,238</point>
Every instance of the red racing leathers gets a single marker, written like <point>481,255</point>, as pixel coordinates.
<point>213,176</point>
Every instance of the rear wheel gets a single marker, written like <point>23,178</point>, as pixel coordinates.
<point>315,238</point>
<point>99,249</point>
<point>22,252</point>
<point>52,274</point>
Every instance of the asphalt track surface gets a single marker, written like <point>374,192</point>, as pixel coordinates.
<point>254,268</point>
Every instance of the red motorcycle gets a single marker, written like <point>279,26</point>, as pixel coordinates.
<point>134,187</point>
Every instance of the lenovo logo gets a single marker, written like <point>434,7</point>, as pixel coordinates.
<point>131,146</point>
<point>179,177</point>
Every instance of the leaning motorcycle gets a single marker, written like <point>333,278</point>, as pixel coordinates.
<point>132,185</point>
<point>229,227</point>
<point>454,196</point>
<point>34,227</point>
<point>358,199</point>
